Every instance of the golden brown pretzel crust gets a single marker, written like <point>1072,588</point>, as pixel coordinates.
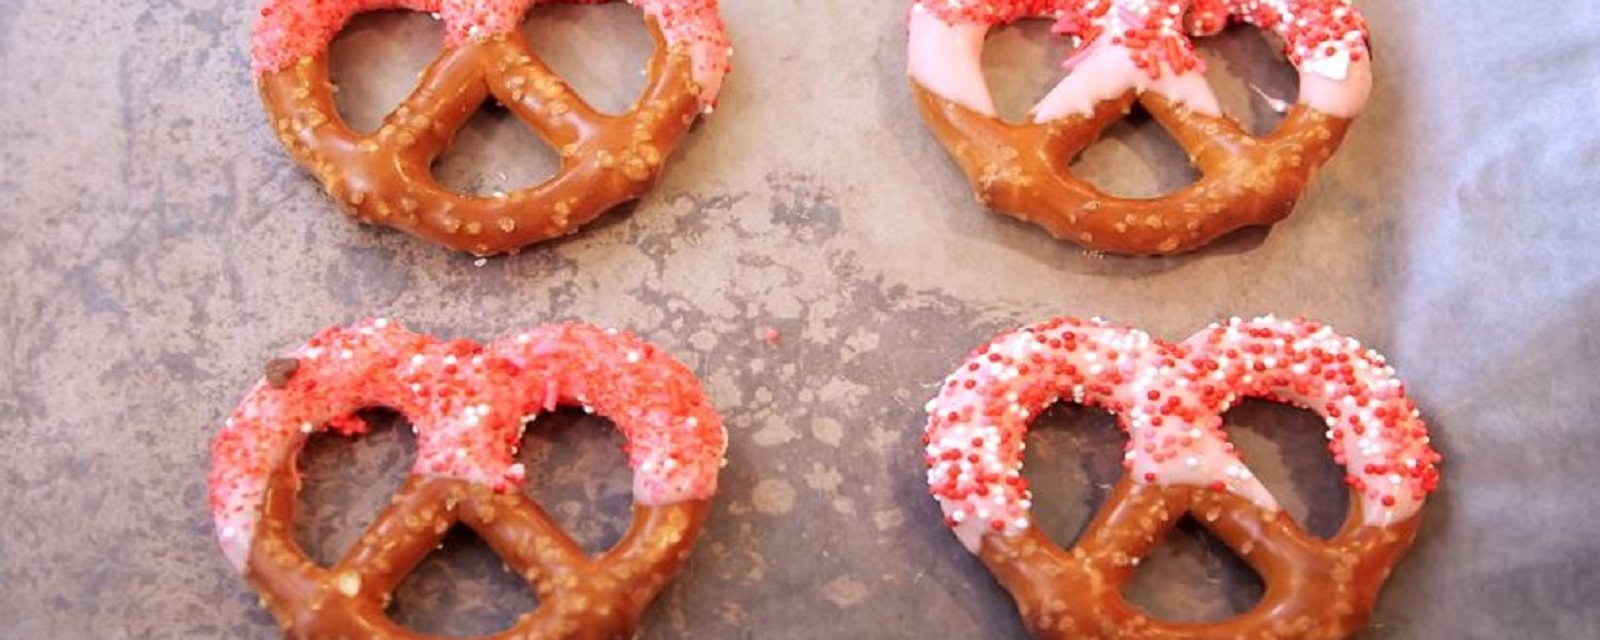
<point>385,177</point>
<point>1315,589</point>
<point>1023,170</point>
<point>580,596</point>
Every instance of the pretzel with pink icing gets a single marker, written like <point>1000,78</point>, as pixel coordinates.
<point>385,177</point>
<point>1170,398</point>
<point>1138,51</point>
<point>469,405</point>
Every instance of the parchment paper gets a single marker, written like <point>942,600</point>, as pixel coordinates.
<point>158,246</point>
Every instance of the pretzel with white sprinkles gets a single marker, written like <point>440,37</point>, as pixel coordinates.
<point>1138,51</point>
<point>469,405</point>
<point>385,177</point>
<point>1170,398</point>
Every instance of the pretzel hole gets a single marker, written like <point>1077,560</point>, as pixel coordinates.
<point>493,154</point>
<point>461,589</point>
<point>602,51</point>
<point>1021,62</point>
<point>346,481</point>
<point>1135,158</point>
<point>1074,458</point>
<point>1248,72</point>
<point>1287,449</point>
<point>375,62</point>
<point>1192,576</point>
<point>578,473</point>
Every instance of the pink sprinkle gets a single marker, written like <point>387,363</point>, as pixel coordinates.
<point>1170,400</point>
<point>467,403</point>
<point>1156,33</point>
<point>291,30</point>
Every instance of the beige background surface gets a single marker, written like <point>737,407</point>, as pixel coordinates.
<point>158,246</point>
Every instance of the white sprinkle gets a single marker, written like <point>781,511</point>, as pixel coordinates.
<point>633,357</point>
<point>306,427</point>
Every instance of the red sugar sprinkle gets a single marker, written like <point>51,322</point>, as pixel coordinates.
<point>1156,32</point>
<point>1379,440</point>
<point>469,405</point>
<point>290,30</point>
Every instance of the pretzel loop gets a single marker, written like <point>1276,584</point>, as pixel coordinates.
<point>1169,399</point>
<point>468,404</point>
<point>386,177</point>
<point>1137,52</point>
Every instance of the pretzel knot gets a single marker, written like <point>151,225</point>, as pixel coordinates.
<point>1170,398</point>
<point>1138,51</point>
<point>468,404</point>
<point>385,177</point>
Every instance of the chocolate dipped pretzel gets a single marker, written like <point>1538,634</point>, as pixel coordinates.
<point>1170,398</point>
<point>1138,51</point>
<point>385,177</point>
<point>469,405</point>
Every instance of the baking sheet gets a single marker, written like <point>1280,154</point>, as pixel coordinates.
<point>158,246</point>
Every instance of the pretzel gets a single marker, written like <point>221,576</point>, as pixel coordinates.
<point>469,405</point>
<point>1138,51</point>
<point>1170,400</point>
<point>385,177</point>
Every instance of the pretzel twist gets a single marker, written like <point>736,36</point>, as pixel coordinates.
<point>1170,400</point>
<point>385,177</point>
<point>1138,51</point>
<point>469,405</point>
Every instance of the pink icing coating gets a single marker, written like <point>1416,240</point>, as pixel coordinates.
<point>469,405</point>
<point>290,30</point>
<point>1144,45</point>
<point>1170,400</point>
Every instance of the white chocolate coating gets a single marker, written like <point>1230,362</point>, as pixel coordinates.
<point>1140,46</point>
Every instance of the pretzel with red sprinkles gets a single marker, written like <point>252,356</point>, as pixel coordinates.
<point>1139,51</point>
<point>385,177</point>
<point>1169,399</point>
<point>469,405</point>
